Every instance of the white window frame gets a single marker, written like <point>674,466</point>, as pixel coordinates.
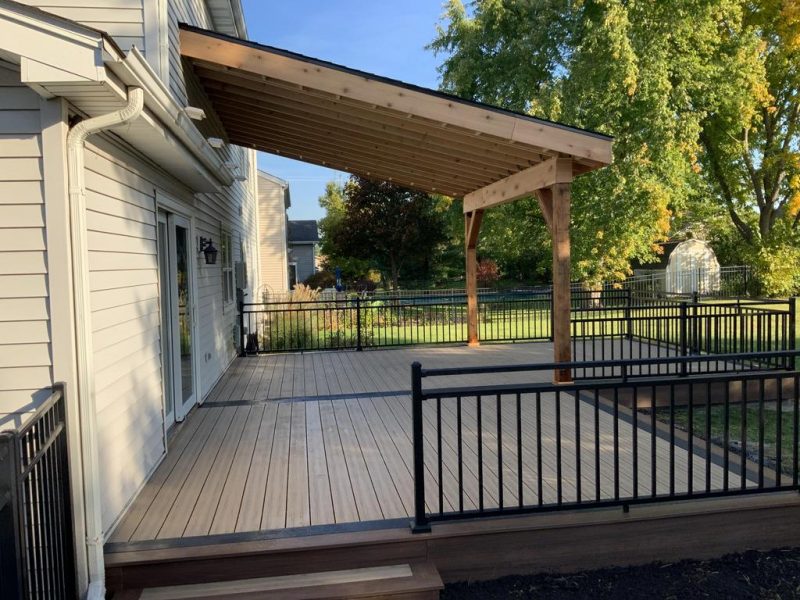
<point>226,268</point>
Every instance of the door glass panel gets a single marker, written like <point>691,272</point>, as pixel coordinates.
<point>184,311</point>
<point>166,320</point>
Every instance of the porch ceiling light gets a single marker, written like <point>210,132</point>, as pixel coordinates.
<point>206,246</point>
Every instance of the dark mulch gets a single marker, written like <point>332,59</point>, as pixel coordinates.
<point>773,575</point>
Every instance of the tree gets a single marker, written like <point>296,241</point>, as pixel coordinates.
<point>701,96</point>
<point>333,202</point>
<point>751,128</point>
<point>389,227</point>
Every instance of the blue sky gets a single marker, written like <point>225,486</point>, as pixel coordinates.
<point>387,38</point>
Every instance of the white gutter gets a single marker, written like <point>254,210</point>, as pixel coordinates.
<point>83,332</point>
<point>134,70</point>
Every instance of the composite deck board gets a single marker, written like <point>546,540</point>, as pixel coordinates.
<point>232,495</point>
<point>320,438</point>
<point>251,510</point>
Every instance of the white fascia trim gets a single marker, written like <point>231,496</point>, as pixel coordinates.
<point>50,46</point>
<point>274,179</point>
<point>134,70</point>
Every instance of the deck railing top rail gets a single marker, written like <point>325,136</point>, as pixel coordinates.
<point>755,357</point>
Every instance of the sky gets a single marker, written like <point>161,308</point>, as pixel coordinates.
<point>386,38</point>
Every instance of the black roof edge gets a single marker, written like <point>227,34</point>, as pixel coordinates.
<point>390,81</point>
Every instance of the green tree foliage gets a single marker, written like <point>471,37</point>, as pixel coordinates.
<point>333,202</point>
<point>701,96</point>
<point>387,227</point>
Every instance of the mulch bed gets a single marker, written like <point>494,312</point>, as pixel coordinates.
<point>773,575</point>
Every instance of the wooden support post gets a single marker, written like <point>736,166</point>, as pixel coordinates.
<point>559,229</point>
<point>472,225</point>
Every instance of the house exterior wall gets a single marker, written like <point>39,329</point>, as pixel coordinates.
<point>25,351</point>
<point>123,195</point>
<point>123,191</point>
<point>124,300</point>
<point>122,19</point>
<point>303,255</point>
<point>272,236</point>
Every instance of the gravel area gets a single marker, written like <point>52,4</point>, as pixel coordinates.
<point>766,575</point>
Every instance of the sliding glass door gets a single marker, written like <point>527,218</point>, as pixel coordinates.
<point>177,314</point>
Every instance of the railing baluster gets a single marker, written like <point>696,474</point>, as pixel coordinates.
<point>499,410</point>
<point>519,452</point>
<point>479,411</point>
<point>539,474</point>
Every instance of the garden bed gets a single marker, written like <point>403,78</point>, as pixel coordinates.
<point>753,574</point>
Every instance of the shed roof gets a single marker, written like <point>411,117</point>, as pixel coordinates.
<point>311,110</point>
<point>303,231</point>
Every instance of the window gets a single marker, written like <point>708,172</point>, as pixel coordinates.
<point>228,290</point>
<point>292,275</point>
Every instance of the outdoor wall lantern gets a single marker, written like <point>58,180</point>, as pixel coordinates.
<point>206,246</point>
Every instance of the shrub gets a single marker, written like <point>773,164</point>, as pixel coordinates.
<point>488,272</point>
<point>777,271</point>
<point>321,280</point>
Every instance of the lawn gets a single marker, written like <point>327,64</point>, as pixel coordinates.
<point>752,419</point>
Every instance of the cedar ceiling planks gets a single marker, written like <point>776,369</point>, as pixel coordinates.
<point>319,113</point>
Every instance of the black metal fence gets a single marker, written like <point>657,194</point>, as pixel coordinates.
<point>36,539</point>
<point>511,448</point>
<point>606,324</point>
<point>647,328</point>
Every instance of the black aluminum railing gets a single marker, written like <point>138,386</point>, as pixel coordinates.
<point>36,539</point>
<point>606,324</point>
<point>512,448</point>
<point>661,329</point>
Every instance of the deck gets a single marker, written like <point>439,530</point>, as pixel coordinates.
<point>323,439</point>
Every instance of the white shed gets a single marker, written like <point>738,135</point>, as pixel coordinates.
<point>692,267</point>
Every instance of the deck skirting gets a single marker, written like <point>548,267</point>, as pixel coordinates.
<point>553,542</point>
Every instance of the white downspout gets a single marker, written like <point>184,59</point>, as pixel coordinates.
<point>83,330</point>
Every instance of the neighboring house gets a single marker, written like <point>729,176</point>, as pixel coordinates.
<point>102,282</point>
<point>303,241</point>
<point>273,202</point>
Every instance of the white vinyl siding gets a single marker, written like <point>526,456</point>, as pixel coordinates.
<point>304,256</point>
<point>121,19</point>
<point>193,12</point>
<point>272,236</point>
<point>121,223</point>
<point>123,284</point>
<point>25,351</point>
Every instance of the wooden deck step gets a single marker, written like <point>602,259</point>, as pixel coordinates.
<point>415,581</point>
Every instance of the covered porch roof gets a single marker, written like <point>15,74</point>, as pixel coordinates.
<point>382,129</point>
<point>319,112</point>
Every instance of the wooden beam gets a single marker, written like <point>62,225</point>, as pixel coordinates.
<point>404,99</point>
<point>524,183</point>
<point>562,351</point>
<point>545,197</point>
<point>472,226</point>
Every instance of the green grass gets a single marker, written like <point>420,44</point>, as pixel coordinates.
<point>770,426</point>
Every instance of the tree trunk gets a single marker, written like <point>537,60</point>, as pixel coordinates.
<point>395,273</point>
